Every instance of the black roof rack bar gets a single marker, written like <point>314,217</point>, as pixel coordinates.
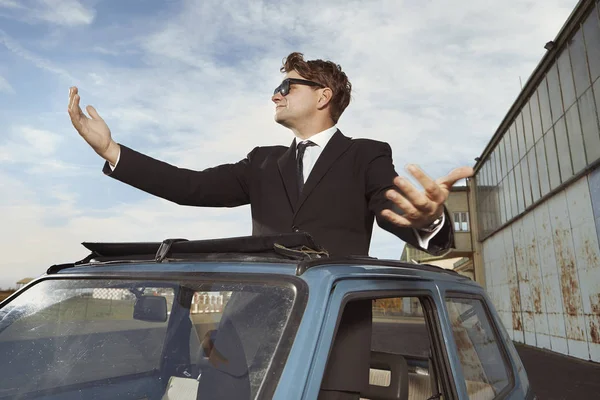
<point>242,245</point>
<point>286,246</point>
<point>305,265</point>
<point>164,248</point>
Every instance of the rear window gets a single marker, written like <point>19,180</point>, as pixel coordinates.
<point>91,336</point>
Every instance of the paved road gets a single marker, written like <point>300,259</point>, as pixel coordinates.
<point>557,377</point>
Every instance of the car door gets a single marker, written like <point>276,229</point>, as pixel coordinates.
<point>403,356</point>
<point>489,366</point>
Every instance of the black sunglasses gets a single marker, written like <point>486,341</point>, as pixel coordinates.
<point>284,88</point>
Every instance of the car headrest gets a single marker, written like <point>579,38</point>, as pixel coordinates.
<point>397,387</point>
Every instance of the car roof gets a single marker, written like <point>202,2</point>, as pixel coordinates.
<point>292,253</point>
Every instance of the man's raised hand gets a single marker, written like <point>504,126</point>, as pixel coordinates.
<point>93,130</point>
<point>421,208</point>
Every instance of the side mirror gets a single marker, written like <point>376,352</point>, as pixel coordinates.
<point>150,309</point>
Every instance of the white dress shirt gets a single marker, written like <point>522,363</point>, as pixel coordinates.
<point>311,155</point>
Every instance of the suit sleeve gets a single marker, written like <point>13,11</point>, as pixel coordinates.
<point>380,175</point>
<point>226,185</point>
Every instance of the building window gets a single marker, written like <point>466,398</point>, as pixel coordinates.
<point>461,222</point>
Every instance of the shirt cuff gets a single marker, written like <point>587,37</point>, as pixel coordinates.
<point>112,167</point>
<point>424,237</point>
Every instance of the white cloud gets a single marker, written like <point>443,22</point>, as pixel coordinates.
<point>65,12</point>
<point>103,50</point>
<point>57,167</point>
<point>27,143</point>
<point>37,60</point>
<point>39,153</point>
<point>5,86</point>
<point>35,235</point>
<point>40,141</point>
<point>12,4</point>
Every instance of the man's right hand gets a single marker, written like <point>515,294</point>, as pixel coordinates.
<point>93,130</point>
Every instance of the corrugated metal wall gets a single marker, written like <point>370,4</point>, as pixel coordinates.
<point>543,272</point>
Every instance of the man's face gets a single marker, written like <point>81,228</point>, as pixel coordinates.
<point>298,106</point>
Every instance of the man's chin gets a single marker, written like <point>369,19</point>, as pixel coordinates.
<point>280,120</point>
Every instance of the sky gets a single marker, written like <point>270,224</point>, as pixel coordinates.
<point>190,81</point>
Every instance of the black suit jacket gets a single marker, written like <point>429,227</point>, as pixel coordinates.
<point>343,195</point>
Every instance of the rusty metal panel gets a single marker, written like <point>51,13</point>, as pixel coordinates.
<point>569,279</point>
<point>513,286</point>
<point>550,280</point>
<point>501,276</point>
<point>527,283</point>
<point>489,259</point>
<point>494,254</point>
<point>587,252</point>
<point>543,272</point>
<point>520,247</point>
<point>535,283</point>
<point>590,277</point>
<point>590,289</point>
<point>587,256</point>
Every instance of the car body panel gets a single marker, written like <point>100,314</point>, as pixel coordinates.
<point>328,287</point>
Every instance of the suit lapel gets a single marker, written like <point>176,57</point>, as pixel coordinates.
<point>336,146</point>
<point>287,170</point>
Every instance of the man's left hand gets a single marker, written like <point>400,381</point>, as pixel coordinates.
<point>421,208</point>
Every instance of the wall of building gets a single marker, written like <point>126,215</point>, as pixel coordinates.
<point>537,196</point>
<point>458,201</point>
<point>543,272</point>
<point>551,139</point>
<point>463,241</point>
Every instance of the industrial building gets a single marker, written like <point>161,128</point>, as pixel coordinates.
<point>534,201</point>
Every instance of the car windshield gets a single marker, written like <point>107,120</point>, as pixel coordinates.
<point>125,339</point>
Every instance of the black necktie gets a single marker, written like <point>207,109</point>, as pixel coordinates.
<point>300,164</point>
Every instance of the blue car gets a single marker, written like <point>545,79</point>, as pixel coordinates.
<point>271,317</point>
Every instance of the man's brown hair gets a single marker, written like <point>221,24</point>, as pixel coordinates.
<point>326,73</point>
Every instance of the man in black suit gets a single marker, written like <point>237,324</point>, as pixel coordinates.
<point>324,183</point>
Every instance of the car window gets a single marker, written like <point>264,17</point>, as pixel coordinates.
<point>257,319</point>
<point>485,371</point>
<point>383,347</point>
<point>206,311</point>
<point>55,335</point>
<point>155,339</point>
<point>399,327</point>
<point>400,316</point>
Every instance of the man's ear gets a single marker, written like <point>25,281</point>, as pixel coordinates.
<point>324,97</point>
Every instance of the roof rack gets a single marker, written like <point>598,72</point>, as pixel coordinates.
<point>305,265</point>
<point>288,246</point>
<point>299,248</point>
